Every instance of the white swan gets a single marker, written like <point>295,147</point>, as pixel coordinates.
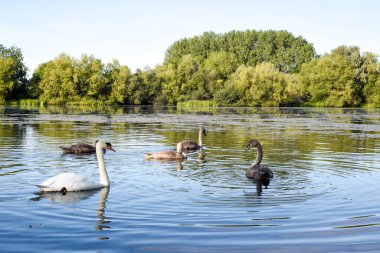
<point>76,182</point>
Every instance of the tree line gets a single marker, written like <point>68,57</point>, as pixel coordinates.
<point>237,68</point>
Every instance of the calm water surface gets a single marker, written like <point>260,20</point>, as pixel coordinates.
<point>324,196</point>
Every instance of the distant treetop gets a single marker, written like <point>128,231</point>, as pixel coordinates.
<point>250,47</point>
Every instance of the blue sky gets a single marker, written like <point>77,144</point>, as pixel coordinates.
<point>137,33</point>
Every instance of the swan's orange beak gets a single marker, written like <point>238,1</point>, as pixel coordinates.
<point>111,148</point>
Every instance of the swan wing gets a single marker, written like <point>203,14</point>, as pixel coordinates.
<point>189,144</point>
<point>259,172</point>
<point>78,148</point>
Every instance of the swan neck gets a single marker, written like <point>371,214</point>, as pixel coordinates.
<point>104,180</point>
<point>200,138</point>
<point>259,156</point>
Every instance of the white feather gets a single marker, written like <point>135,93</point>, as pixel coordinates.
<point>71,181</point>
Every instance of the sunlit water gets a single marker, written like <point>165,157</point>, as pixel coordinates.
<point>324,196</point>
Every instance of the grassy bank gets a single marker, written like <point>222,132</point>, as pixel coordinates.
<point>197,103</point>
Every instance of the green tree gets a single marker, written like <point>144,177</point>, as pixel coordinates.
<point>187,67</point>
<point>371,89</point>
<point>118,77</point>
<point>152,84</point>
<point>234,91</point>
<point>34,82</point>
<point>204,85</point>
<point>270,87</point>
<point>142,87</point>
<point>263,85</point>
<point>7,66</point>
<point>250,48</point>
<point>167,77</point>
<point>57,84</point>
<point>328,81</point>
<point>221,64</point>
<point>282,49</point>
<point>177,83</point>
<point>90,79</point>
<point>338,79</point>
<point>13,82</point>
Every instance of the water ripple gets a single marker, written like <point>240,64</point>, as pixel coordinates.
<point>323,196</point>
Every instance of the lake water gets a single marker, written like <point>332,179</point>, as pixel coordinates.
<point>324,196</point>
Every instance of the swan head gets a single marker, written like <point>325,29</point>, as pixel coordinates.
<point>104,145</point>
<point>202,130</point>
<point>252,144</point>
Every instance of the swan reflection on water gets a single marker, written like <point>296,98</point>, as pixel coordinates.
<point>201,157</point>
<point>65,197</point>
<point>74,197</point>
<point>260,184</point>
<point>178,164</point>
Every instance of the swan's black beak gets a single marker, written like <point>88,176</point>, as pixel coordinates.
<point>246,148</point>
<point>109,147</point>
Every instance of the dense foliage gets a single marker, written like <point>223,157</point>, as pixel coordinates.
<point>13,81</point>
<point>338,79</point>
<point>238,68</point>
<point>263,85</point>
<point>249,48</point>
<point>66,80</point>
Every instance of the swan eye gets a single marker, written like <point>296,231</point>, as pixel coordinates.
<point>109,146</point>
